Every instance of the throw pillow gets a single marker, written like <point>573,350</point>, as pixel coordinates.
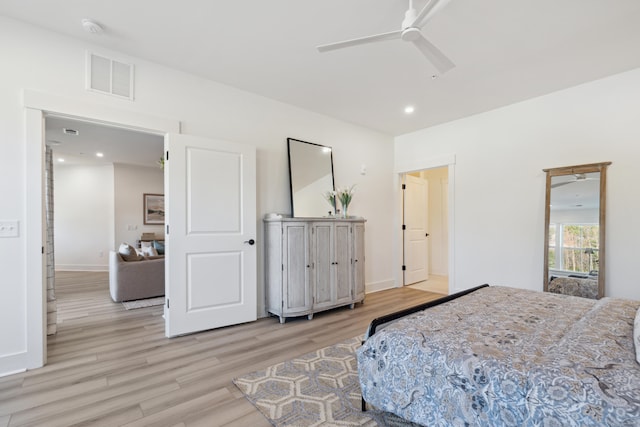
<point>149,251</point>
<point>159,246</point>
<point>147,244</point>
<point>128,252</point>
<point>636,335</point>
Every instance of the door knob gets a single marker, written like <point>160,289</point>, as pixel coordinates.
<point>250,241</point>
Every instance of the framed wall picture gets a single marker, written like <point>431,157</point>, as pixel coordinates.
<point>154,209</point>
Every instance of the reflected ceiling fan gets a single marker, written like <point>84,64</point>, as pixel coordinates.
<point>577,178</point>
<point>410,32</point>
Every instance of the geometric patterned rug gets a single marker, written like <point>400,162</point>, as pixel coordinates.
<point>319,389</point>
<point>141,303</point>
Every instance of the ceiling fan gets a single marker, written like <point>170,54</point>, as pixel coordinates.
<point>410,32</point>
<point>577,178</point>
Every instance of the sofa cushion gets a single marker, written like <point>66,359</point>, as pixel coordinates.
<point>128,252</point>
<point>148,251</point>
<point>159,246</point>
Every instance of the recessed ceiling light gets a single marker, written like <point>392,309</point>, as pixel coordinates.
<point>61,160</point>
<point>409,109</point>
<point>70,131</point>
<point>99,155</point>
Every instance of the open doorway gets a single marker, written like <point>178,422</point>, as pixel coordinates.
<point>425,231</point>
<point>96,177</point>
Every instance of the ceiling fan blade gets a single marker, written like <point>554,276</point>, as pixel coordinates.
<point>560,184</point>
<point>427,12</point>
<point>434,55</point>
<point>362,40</point>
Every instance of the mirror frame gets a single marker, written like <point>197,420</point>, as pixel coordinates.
<point>572,170</point>
<point>333,179</point>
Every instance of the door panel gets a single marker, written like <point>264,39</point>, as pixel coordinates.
<point>214,208</point>
<point>210,218</point>
<point>205,268</point>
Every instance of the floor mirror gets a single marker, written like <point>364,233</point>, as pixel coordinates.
<point>574,235</point>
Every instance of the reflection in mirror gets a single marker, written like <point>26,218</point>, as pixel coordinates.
<point>311,176</point>
<point>575,230</point>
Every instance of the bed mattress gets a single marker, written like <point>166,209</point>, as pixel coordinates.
<point>507,357</point>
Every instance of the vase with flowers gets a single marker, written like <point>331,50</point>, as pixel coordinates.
<point>345,195</point>
<point>330,197</point>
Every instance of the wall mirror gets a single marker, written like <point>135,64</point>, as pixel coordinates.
<point>574,236</point>
<point>311,176</point>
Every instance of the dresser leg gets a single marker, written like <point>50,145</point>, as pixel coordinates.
<point>282,320</point>
<point>310,316</point>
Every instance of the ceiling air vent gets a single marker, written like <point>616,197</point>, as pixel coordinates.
<point>106,75</point>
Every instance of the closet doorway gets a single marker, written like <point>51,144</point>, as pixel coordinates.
<point>425,230</point>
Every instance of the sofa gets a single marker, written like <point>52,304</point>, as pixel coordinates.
<point>131,280</point>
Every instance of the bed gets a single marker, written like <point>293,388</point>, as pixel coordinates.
<point>498,356</point>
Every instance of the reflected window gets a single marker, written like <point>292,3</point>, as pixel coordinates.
<point>574,247</point>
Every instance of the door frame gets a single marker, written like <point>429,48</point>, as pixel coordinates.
<point>415,165</point>
<point>37,105</point>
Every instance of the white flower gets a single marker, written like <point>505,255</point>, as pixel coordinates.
<point>330,197</point>
<point>345,195</point>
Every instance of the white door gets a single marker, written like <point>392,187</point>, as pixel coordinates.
<point>415,234</point>
<point>210,189</point>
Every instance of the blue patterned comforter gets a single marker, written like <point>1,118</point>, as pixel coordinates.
<point>507,357</point>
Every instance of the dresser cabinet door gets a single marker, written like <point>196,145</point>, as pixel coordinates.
<point>322,243</point>
<point>297,295</point>
<point>342,263</point>
<point>358,261</point>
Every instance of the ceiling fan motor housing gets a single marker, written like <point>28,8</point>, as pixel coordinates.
<point>410,34</point>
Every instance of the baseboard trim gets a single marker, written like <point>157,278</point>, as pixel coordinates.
<point>379,286</point>
<point>13,364</point>
<point>81,267</point>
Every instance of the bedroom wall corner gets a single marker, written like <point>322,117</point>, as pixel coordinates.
<point>499,196</point>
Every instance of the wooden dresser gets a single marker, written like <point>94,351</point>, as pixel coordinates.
<point>313,264</point>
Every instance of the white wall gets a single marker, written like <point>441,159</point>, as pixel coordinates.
<point>500,186</point>
<point>131,183</point>
<point>50,63</point>
<point>83,216</point>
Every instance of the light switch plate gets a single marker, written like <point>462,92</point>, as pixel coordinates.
<point>9,229</point>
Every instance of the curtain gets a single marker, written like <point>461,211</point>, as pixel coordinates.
<point>52,307</point>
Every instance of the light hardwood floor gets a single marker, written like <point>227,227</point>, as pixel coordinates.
<point>111,367</point>
<point>437,284</point>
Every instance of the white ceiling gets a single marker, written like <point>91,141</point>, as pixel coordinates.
<point>505,50</point>
<point>571,192</point>
<point>117,145</point>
